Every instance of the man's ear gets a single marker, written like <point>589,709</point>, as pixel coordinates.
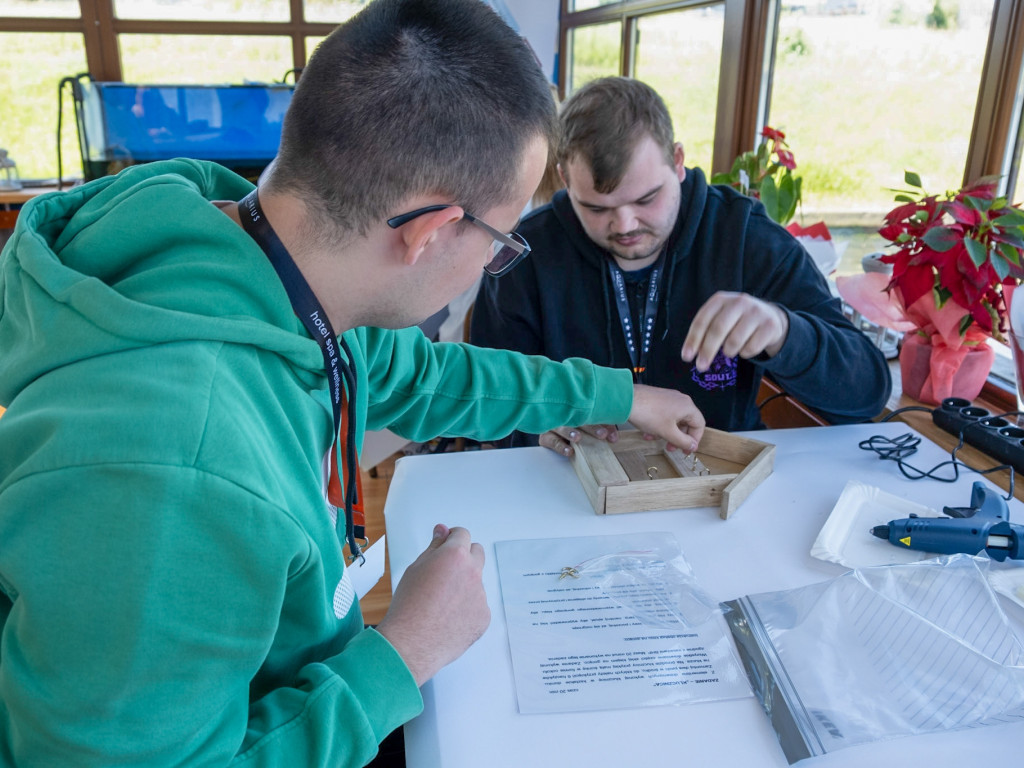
<point>423,230</point>
<point>678,156</point>
<point>561,175</point>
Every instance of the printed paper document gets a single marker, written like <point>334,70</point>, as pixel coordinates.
<point>610,622</point>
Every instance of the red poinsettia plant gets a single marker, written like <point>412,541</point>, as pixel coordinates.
<point>766,174</point>
<point>953,256</point>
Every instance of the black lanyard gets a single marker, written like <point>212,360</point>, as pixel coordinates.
<point>308,309</point>
<point>638,349</point>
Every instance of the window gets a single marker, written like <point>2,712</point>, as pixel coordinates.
<point>1015,185</point>
<point>166,42</point>
<point>864,90</point>
<point>867,92</point>
<point>594,52</point>
<point>188,59</point>
<point>28,125</point>
<point>679,54</point>
<point>203,10</point>
<point>332,11</point>
<point>54,9</point>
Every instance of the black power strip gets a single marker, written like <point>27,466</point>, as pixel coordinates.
<point>994,435</point>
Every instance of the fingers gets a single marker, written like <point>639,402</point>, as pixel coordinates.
<point>561,440</point>
<point>441,532</point>
<point>602,431</point>
<point>736,324</point>
<point>439,607</point>
<point>460,537</point>
<point>560,444</point>
<point>668,414</point>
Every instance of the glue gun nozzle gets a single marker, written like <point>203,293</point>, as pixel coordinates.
<point>881,531</point>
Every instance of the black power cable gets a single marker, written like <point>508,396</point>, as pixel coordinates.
<point>900,448</point>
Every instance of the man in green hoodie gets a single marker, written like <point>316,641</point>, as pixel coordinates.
<point>189,365</point>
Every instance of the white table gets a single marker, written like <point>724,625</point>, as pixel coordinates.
<point>470,716</point>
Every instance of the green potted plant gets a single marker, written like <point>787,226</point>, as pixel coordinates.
<point>766,173</point>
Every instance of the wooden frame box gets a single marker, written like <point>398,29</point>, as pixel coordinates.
<point>636,475</point>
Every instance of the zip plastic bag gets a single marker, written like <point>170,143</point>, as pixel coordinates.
<point>880,652</point>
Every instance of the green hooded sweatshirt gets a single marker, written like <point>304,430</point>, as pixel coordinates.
<point>172,587</point>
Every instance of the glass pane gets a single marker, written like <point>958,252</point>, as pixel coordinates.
<point>679,54</point>
<point>52,9</point>
<point>203,10</point>
<point>311,44</point>
<point>582,5</point>
<point>30,72</point>
<point>595,53</point>
<point>332,11</point>
<point>865,92</point>
<point>204,58</point>
<point>1016,192</point>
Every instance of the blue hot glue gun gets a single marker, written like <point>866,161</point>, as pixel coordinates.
<point>985,525</point>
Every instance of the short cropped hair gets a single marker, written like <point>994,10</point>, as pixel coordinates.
<point>412,97</point>
<point>603,122</point>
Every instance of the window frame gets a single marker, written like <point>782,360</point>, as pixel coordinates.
<point>100,29</point>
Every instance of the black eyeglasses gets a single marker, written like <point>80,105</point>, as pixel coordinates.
<point>508,250</point>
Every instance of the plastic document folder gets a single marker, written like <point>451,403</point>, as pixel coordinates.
<point>880,652</point>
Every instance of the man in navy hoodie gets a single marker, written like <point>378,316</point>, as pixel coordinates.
<point>639,263</point>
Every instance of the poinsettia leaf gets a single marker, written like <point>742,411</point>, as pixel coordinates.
<point>941,239</point>
<point>787,199</point>
<point>984,189</point>
<point>914,282</point>
<point>978,203</point>
<point>911,178</point>
<point>977,250</point>
<point>902,198</point>
<point>722,178</point>
<point>1001,266</point>
<point>901,212</point>
<point>1009,253</point>
<point>965,323</point>
<point>1013,217</point>
<point>1010,237</point>
<point>981,313</point>
<point>770,197</point>
<point>963,214</point>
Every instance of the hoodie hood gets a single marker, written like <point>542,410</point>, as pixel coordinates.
<point>81,277</point>
<point>692,200</point>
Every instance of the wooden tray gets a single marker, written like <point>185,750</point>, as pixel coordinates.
<point>636,475</point>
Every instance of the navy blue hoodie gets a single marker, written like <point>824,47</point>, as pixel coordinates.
<point>560,303</point>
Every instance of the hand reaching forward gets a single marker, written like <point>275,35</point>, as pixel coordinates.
<point>736,324</point>
<point>561,440</point>
<point>668,414</point>
<point>659,412</point>
<point>439,608</point>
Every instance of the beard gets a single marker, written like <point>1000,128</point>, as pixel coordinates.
<point>649,246</point>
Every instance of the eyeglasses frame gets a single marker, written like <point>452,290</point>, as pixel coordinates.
<point>520,246</point>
